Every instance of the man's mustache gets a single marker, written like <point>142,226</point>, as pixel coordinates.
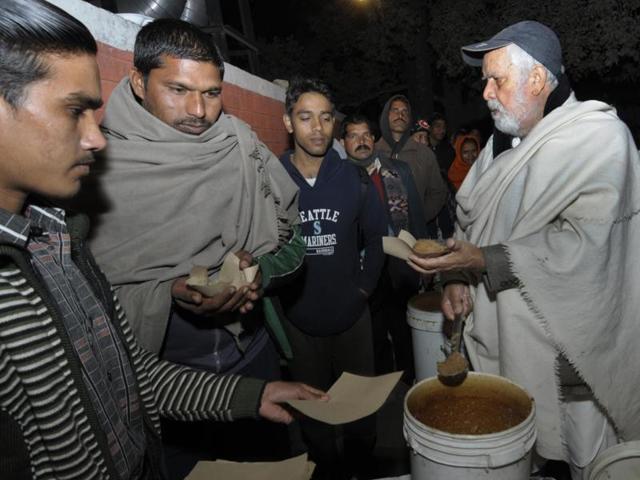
<point>493,104</point>
<point>363,147</point>
<point>194,123</point>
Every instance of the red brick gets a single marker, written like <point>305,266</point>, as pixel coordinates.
<point>112,70</point>
<point>110,51</point>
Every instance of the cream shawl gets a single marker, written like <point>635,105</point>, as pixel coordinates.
<point>176,200</point>
<point>565,204</point>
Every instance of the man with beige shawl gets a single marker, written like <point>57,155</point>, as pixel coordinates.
<point>186,185</point>
<point>545,251</point>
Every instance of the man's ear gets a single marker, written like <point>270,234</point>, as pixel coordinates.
<point>538,79</point>
<point>287,122</point>
<point>7,111</point>
<point>342,142</point>
<point>136,79</point>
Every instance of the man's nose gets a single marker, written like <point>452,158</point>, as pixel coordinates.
<point>92,138</point>
<point>195,105</point>
<point>489,92</point>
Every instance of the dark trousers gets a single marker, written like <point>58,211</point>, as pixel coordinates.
<point>392,345</point>
<point>319,361</point>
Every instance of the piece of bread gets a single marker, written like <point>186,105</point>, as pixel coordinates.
<point>429,248</point>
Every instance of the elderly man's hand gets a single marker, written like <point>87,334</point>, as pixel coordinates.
<point>278,392</point>
<point>463,256</point>
<point>456,300</point>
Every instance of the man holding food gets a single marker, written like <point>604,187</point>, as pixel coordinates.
<point>545,249</point>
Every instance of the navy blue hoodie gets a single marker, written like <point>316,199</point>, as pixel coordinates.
<point>340,215</point>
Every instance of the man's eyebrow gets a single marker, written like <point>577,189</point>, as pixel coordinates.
<point>92,103</point>
<point>191,89</point>
<point>310,112</point>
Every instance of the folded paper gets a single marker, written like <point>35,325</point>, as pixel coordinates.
<point>400,246</point>
<point>352,397</point>
<point>297,468</point>
<point>230,276</point>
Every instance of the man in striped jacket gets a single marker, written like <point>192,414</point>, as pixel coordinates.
<point>79,399</point>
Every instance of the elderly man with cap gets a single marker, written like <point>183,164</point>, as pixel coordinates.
<point>544,253</point>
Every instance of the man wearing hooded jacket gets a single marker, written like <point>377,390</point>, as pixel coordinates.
<point>396,143</point>
<point>327,318</point>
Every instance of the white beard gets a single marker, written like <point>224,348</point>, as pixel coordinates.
<point>509,122</point>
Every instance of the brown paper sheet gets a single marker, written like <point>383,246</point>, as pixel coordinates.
<point>352,397</point>
<point>400,246</point>
<point>230,275</point>
<point>297,468</point>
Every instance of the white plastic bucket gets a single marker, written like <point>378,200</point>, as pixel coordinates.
<point>427,336</point>
<point>438,455</point>
<point>621,461</point>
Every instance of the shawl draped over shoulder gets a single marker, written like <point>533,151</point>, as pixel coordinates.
<point>173,200</point>
<point>565,203</point>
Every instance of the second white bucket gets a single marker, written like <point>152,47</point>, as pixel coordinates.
<point>427,336</point>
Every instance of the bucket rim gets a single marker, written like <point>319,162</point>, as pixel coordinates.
<point>461,436</point>
<point>613,454</point>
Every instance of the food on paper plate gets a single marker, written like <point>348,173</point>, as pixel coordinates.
<point>425,247</point>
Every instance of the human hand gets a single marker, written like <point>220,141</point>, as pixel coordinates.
<point>254,292</point>
<point>462,256</point>
<point>195,302</point>
<point>276,393</point>
<point>456,300</point>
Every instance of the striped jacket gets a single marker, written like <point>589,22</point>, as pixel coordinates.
<point>48,427</point>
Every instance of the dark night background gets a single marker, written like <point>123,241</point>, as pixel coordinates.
<point>370,49</point>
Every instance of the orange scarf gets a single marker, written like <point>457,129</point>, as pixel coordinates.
<point>459,168</point>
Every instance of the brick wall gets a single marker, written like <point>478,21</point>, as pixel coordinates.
<point>263,113</point>
<point>114,64</point>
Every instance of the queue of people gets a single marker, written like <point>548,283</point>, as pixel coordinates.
<point>113,366</point>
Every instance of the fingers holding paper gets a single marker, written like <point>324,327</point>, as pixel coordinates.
<point>226,300</point>
<point>254,290</point>
<point>278,392</point>
<point>463,256</point>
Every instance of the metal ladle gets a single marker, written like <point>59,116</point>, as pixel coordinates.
<point>454,369</point>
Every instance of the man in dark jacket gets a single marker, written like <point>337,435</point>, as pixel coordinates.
<point>396,143</point>
<point>329,324</point>
<point>80,399</point>
<point>403,208</point>
<point>439,143</point>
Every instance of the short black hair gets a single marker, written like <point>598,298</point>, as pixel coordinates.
<point>30,29</point>
<point>435,116</point>
<point>175,38</point>
<point>299,86</point>
<point>354,119</point>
